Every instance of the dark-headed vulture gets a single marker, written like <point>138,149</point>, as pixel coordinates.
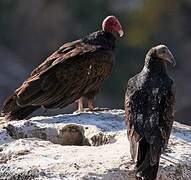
<point>75,70</point>
<point>149,109</point>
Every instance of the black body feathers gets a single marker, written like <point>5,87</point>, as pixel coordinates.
<point>149,106</point>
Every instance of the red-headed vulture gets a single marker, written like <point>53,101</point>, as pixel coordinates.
<point>75,70</point>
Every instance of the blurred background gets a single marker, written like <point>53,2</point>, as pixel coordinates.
<point>31,30</point>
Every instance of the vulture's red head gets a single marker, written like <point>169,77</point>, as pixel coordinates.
<point>111,24</point>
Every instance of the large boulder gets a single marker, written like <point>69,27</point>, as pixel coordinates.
<point>83,146</point>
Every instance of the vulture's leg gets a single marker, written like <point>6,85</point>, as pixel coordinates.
<point>90,96</point>
<point>90,104</point>
<point>80,105</point>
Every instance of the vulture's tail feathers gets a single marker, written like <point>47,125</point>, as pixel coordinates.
<point>144,167</point>
<point>12,111</point>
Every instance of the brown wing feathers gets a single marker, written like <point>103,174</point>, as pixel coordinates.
<point>54,81</point>
<point>72,71</point>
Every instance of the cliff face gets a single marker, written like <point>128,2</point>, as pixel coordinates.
<point>83,146</point>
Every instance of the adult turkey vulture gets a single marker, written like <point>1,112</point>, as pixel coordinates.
<point>75,70</point>
<point>149,109</point>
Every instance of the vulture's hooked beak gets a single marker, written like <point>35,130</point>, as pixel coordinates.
<point>173,62</point>
<point>120,33</point>
<point>170,59</point>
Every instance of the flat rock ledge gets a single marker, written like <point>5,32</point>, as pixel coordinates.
<point>87,146</point>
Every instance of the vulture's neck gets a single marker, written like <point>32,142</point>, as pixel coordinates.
<point>101,38</point>
<point>154,65</point>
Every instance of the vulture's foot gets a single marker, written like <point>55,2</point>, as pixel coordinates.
<point>97,109</point>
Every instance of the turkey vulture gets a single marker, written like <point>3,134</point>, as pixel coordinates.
<point>75,70</point>
<point>149,110</point>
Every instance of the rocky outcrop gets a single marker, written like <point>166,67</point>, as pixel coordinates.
<point>83,146</point>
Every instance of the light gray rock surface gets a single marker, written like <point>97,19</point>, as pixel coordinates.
<point>41,148</point>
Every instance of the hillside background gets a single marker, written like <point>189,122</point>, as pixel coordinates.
<point>31,30</point>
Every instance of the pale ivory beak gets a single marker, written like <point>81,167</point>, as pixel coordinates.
<point>121,33</point>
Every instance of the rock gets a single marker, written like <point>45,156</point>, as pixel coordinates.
<point>46,148</point>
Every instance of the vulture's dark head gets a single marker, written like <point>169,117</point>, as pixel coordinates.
<point>111,24</point>
<point>162,54</point>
